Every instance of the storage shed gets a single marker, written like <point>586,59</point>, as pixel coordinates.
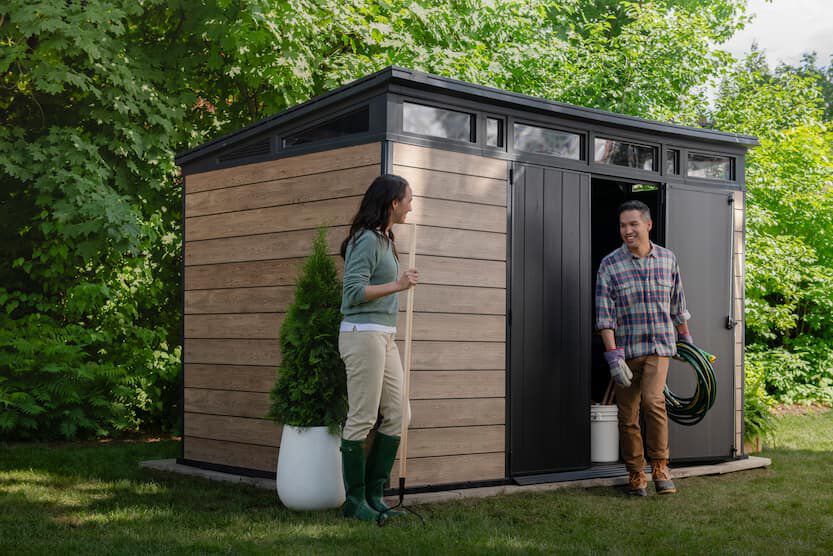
<point>515,203</point>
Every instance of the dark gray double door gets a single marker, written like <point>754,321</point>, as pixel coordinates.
<point>550,325</point>
<point>551,312</point>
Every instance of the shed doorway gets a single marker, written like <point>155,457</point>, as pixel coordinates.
<point>606,196</point>
<point>562,224</point>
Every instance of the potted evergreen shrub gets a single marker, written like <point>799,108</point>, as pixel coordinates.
<point>310,394</point>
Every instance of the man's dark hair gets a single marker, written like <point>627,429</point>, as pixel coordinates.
<point>635,205</point>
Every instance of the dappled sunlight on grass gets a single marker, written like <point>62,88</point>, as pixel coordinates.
<point>97,500</point>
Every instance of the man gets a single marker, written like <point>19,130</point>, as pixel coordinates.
<point>639,303</point>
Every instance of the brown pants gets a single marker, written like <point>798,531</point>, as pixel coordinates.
<point>646,389</point>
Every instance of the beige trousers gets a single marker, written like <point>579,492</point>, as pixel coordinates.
<point>646,390</point>
<point>374,383</point>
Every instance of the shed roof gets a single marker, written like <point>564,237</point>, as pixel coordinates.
<point>424,81</point>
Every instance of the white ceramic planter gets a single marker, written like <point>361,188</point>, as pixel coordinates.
<point>309,469</point>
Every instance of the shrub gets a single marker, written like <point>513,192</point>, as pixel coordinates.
<point>757,416</point>
<point>311,386</point>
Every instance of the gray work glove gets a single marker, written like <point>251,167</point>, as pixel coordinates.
<point>619,370</point>
<point>685,338</point>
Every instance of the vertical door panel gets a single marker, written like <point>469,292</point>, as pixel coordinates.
<point>699,231</point>
<point>550,326</point>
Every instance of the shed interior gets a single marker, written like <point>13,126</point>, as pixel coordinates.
<point>606,196</point>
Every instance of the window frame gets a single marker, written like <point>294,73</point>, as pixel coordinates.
<point>281,138</point>
<point>582,135</point>
<point>657,147</point>
<point>473,120</point>
<point>732,166</point>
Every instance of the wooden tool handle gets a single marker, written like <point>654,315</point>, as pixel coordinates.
<point>406,383</point>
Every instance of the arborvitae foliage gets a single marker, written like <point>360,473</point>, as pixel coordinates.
<point>311,389</point>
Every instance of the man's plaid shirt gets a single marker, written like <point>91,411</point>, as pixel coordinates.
<point>641,299</point>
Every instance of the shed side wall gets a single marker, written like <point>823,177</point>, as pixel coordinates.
<point>248,229</point>
<point>738,294</point>
<point>458,383</point>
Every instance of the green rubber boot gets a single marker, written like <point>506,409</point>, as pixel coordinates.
<point>379,462</point>
<point>352,465</point>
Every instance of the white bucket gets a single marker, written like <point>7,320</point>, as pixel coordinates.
<point>604,433</point>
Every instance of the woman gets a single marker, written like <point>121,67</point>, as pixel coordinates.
<point>366,342</point>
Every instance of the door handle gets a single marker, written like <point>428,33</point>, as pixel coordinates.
<point>730,320</point>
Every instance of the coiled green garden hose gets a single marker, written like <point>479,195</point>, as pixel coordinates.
<point>690,411</point>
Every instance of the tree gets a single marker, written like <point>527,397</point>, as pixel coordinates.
<point>789,298</point>
<point>89,223</point>
<point>96,98</point>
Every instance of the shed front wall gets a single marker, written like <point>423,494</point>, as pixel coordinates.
<point>458,379</point>
<point>247,230</point>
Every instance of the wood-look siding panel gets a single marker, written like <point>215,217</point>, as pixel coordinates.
<point>427,414</point>
<point>301,189</point>
<point>241,275</point>
<point>247,456</point>
<point>738,292</point>
<point>230,377</point>
<point>243,300</point>
<point>233,429</point>
<point>457,356</point>
<point>461,272</point>
<point>739,208</point>
<point>233,352</point>
<point>247,274</point>
<point>448,242</point>
<point>339,212</point>
<point>452,469</point>
<point>314,163</point>
<point>304,216</point>
<point>449,161</point>
<point>243,326</point>
<point>454,328</point>
<point>457,187</point>
<point>276,299</point>
<point>443,242</point>
<point>430,385</point>
<point>455,214</point>
<point>455,441</point>
<point>283,245</point>
<point>225,402</point>
<point>456,299</point>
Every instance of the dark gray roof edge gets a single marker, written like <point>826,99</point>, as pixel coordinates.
<point>407,76</point>
<point>561,108</point>
<point>367,82</point>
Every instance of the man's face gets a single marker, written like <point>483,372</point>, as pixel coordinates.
<point>634,228</point>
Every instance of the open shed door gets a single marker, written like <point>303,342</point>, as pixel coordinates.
<point>699,231</point>
<point>550,324</point>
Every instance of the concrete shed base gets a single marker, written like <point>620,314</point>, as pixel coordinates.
<point>752,462</point>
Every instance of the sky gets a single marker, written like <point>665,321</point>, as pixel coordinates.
<point>785,29</point>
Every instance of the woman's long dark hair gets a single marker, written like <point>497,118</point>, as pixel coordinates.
<point>374,212</point>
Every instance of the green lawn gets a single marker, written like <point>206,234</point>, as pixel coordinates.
<point>93,498</point>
